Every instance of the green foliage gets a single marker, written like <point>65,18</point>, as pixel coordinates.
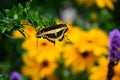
<point>10,19</point>
<point>4,77</point>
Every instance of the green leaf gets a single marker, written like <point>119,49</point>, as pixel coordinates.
<point>6,11</point>
<point>13,12</point>
<point>1,15</point>
<point>20,9</point>
<point>9,27</point>
<point>3,29</point>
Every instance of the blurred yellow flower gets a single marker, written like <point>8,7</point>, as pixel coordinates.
<point>94,40</point>
<point>85,61</point>
<point>41,61</point>
<point>76,60</point>
<point>69,55</point>
<point>99,3</point>
<point>38,68</point>
<point>100,71</point>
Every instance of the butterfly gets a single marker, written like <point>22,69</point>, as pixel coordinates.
<point>53,32</point>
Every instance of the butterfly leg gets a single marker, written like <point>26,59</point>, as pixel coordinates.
<point>22,32</point>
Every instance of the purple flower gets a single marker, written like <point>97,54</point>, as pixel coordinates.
<point>15,76</point>
<point>114,45</point>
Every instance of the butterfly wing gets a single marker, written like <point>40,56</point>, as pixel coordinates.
<point>49,39</point>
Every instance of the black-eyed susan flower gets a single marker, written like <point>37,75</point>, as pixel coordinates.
<point>76,60</point>
<point>38,68</point>
<point>94,40</point>
<point>85,60</point>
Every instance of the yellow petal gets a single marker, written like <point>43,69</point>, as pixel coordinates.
<point>100,3</point>
<point>109,4</point>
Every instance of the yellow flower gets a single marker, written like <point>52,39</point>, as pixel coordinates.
<point>99,3</point>
<point>100,72</point>
<point>38,68</point>
<point>76,60</point>
<point>69,55</point>
<point>41,62</point>
<point>85,60</point>
<point>94,40</point>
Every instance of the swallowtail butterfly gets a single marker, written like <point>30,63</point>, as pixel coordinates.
<point>53,32</point>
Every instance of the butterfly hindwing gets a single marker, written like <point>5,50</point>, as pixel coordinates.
<point>49,39</point>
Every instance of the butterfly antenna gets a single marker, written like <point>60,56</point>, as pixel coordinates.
<point>68,40</point>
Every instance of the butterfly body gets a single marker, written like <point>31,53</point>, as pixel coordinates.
<point>53,32</point>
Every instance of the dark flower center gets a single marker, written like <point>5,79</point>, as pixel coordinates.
<point>89,41</point>
<point>44,44</point>
<point>44,78</point>
<point>85,54</point>
<point>44,63</point>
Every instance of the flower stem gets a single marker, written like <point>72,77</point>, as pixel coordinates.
<point>111,70</point>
